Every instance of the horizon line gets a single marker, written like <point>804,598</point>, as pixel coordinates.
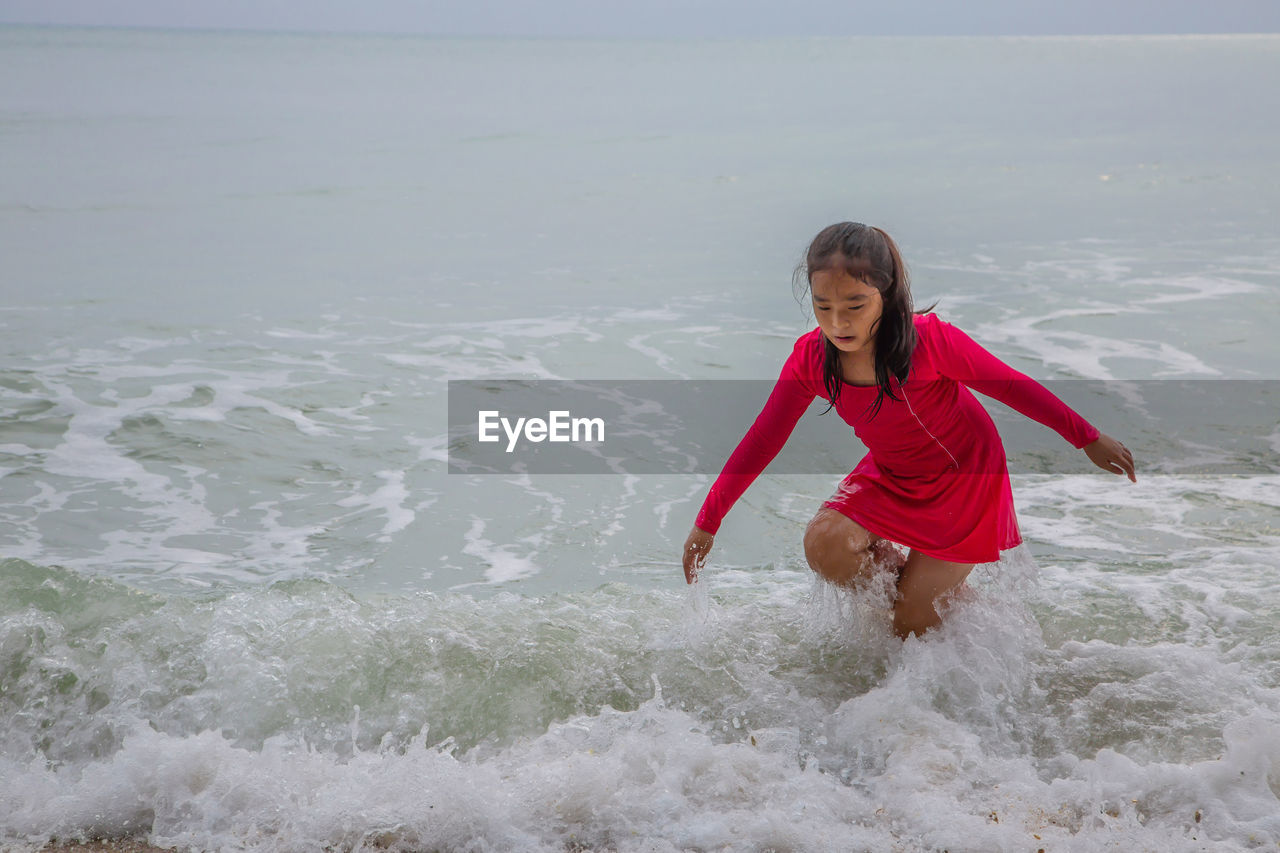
<point>372,33</point>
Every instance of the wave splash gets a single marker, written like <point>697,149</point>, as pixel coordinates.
<point>780,716</point>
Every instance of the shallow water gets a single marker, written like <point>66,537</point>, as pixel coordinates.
<point>243,605</point>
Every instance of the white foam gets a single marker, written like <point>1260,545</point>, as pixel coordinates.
<point>431,449</point>
<point>447,366</point>
<point>502,565</point>
<point>1194,288</point>
<point>895,767</point>
<point>282,547</point>
<point>389,498</point>
<point>1083,354</point>
<point>20,450</point>
<point>552,500</point>
<point>300,334</point>
<point>781,721</point>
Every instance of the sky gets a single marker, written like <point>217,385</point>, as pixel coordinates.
<point>648,18</point>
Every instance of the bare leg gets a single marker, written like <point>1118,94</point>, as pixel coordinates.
<point>925,582</point>
<point>844,552</point>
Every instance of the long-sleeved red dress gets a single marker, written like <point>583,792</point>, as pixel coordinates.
<point>935,477</point>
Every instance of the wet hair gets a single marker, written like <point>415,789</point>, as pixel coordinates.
<point>869,254</point>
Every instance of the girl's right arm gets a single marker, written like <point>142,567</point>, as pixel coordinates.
<point>764,439</point>
<point>696,548</point>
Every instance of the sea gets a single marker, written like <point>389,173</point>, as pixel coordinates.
<point>248,603</point>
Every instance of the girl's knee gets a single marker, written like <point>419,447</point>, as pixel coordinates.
<point>836,546</point>
<point>816,552</point>
<point>830,532</point>
<point>815,542</point>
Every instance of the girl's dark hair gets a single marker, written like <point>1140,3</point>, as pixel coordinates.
<point>867,253</point>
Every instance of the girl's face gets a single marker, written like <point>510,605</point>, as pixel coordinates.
<point>846,308</point>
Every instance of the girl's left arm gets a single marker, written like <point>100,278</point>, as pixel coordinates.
<point>965,360</point>
<point>1110,455</point>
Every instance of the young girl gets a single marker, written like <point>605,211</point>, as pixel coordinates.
<point>934,478</point>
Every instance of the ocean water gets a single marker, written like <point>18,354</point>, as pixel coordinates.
<point>243,605</point>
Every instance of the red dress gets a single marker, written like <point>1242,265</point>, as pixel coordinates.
<point>935,477</point>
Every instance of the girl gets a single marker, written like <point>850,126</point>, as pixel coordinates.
<point>934,478</point>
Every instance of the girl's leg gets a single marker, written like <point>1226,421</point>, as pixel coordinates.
<point>926,581</point>
<point>844,552</point>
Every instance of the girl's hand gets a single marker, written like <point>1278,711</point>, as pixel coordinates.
<point>695,552</point>
<point>1110,455</point>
